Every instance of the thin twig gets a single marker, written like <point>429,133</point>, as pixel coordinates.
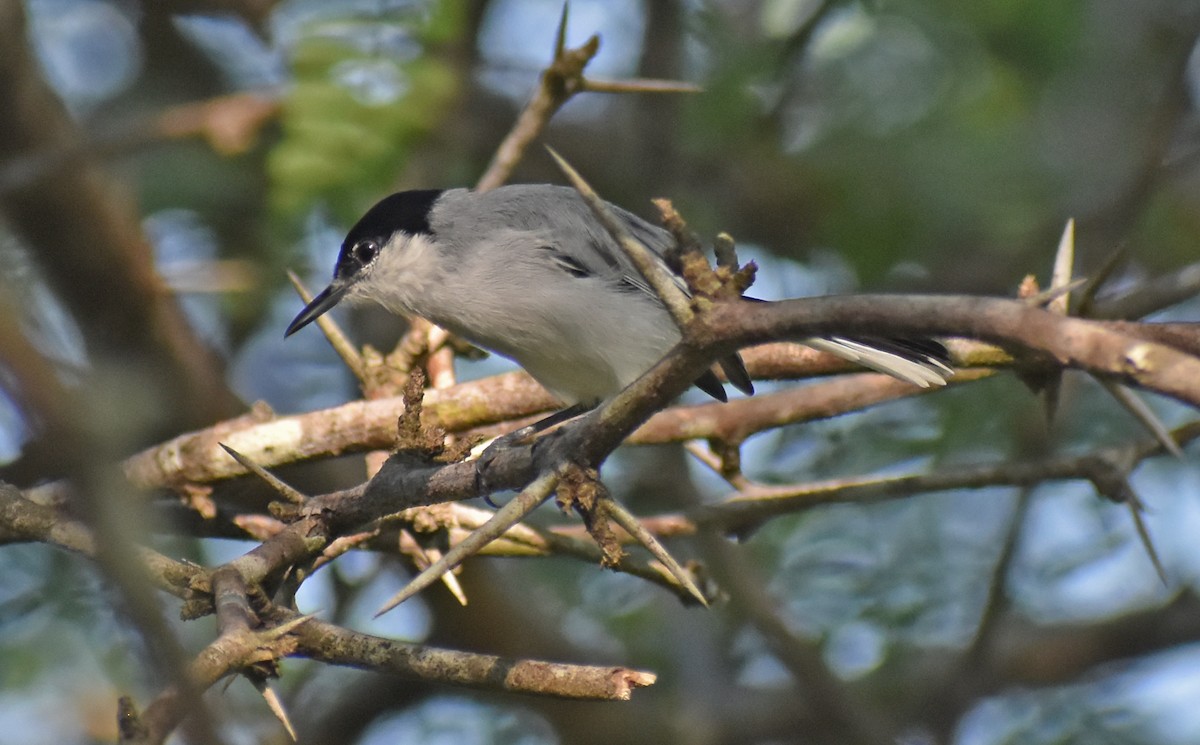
<point>853,719</point>
<point>561,80</point>
<point>1141,411</point>
<point>759,503</point>
<point>640,85</point>
<point>630,523</point>
<point>996,603</point>
<point>281,487</point>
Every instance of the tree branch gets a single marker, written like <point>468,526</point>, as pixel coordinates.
<point>338,646</point>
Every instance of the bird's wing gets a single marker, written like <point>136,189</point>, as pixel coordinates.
<point>616,260</point>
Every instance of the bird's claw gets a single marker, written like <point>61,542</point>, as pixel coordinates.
<point>484,454</point>
<point>484,461</point>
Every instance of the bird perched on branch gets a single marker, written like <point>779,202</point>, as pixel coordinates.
<point>528,272</point>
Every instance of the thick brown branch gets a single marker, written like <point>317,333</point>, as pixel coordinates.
<point>269,441</point>
<point>339,646</point>
<point>1122,352</point>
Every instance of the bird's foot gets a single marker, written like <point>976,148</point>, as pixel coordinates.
<point>486,452</point>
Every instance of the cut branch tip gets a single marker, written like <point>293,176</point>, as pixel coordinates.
<point>1135,405</point>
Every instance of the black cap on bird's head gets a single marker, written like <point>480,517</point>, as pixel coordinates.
<point>406,211</point>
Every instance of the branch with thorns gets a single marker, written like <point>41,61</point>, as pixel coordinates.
<point>252,595</point>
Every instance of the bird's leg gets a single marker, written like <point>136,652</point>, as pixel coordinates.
<point>520,437</point>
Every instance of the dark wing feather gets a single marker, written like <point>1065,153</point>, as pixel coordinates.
<point>735,373</point>
<point>711,384</point>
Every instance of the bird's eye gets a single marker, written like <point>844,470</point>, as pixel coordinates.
<point>364,251</point>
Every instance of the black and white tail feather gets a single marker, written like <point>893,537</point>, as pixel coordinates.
<point>921,362</point>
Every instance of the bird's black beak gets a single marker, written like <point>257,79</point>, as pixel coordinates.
<point>328,298</point>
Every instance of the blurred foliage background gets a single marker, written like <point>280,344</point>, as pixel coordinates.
<point>908,145</point>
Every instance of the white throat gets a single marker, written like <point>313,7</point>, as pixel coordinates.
<point>404,276</point>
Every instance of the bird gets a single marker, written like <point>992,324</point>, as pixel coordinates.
<point>528,272</point>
